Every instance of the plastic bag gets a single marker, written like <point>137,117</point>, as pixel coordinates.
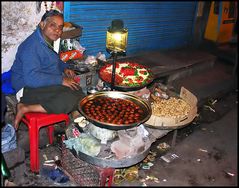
<point>84,143</point>
<point>9,141</point>
<point>101,56</point>
<point>55,174</point>
<point>76,45</point>
<point>91,60</point>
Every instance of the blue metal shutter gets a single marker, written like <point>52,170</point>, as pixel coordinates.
<point>151,25</point>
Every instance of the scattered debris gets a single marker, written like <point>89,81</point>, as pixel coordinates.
<point>153,153</point>
<point>147,162</point>
<point>210,108</point>
<point>149,178</point>
<point>203,150</point>
<point>163,146</point>
<point>142,180</point>
<point>169,157</point>
<point>144,184</point>
<point>199,160</point>
<point>131,173</point>
<point>49,161</point>
<point>145,166</point>
<point>229,173</point>
<point>150,164</point>
<point>212,101</point>
<point>150,158</point>
<point>118,176</point>
<point>210,105</point>
<point>152,178</point>
<point>45,157</point>
<point>54,174</point>
<point>48,164</point>
<point>8,183</point>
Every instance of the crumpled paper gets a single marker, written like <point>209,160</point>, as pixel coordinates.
<point>81,121</point>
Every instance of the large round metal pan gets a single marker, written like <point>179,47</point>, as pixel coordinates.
<point>125,87</point>
<point>143,105</point>
<point>166,127</point>
<point>130,88</point>
<point>111,161</point>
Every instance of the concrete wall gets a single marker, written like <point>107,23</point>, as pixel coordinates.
<point>19,20</point>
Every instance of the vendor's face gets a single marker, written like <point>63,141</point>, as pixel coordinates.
<point>52,27</point>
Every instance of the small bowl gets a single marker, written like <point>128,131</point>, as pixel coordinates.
<point>92,89</point>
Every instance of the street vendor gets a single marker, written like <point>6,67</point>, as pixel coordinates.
<point>42,81</point>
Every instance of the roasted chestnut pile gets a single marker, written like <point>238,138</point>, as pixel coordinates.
<point>113,110</point>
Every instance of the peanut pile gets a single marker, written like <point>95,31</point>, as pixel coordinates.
<point>172,107</point>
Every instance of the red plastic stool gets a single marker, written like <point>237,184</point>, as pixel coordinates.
<point>35,121</point>
<point>104,174</point>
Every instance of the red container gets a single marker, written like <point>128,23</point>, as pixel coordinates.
<point>70,55</point>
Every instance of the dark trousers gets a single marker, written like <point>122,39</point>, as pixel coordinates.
<point>54,99</point>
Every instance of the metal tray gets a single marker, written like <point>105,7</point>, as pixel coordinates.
<point>167,127</point>
<point>143,105</point>
<point>111,161</point>
<point>127,88</point>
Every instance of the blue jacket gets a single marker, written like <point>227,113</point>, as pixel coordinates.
<point>35,64</point>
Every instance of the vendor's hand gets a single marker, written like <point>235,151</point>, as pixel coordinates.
<point>70,73</point>
<point>71,83</point>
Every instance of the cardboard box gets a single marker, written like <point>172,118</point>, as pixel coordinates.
<point>173,123</point>
<point>88,79</point>
<point>77,32</point>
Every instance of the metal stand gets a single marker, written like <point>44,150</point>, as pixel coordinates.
<point>113,70</point>
<point>175,132</point>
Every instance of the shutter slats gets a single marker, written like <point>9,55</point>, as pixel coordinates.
<point>151,25</point>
